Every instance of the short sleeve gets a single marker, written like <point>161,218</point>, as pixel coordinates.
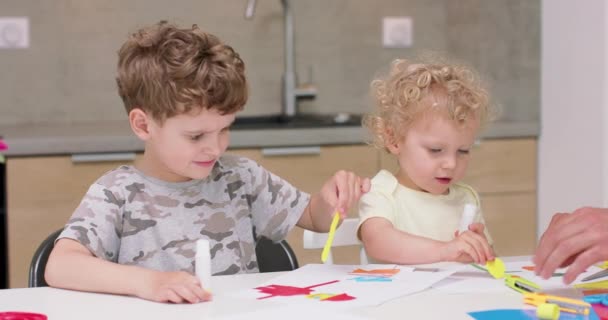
<point>97,221</point>
<point>376,203</point>
<point>276,205</point>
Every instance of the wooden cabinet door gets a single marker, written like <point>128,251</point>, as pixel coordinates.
<point>308,172</point>
<point>42,193</point>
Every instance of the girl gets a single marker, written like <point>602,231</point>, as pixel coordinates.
<point>428,116</point>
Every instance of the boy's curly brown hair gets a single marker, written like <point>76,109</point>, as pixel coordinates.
<point>411,88</point>
<point>166,71</point>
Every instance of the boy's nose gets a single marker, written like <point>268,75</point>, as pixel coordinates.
<point>213,147</point>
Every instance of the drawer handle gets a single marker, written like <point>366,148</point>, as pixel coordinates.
<point>103,157</point>
<point>291,151</point>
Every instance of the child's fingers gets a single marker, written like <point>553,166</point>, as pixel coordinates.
<point>468,249</point>
<point>186,293</point>
<point>342,191</point>
<point>345,190</point>
<point>172,296</point>
<point>477,228</point>
<point>476,244</point>
<point>484,247</point>
<point>366,185</point>
<point>356,190</point>
<point>349,188</point>
<point>199,292</point>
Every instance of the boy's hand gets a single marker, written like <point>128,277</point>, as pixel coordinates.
<point>469,246</point>
<point>175,287</point>
<point>343,190</point>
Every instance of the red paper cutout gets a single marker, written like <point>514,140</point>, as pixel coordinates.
<point>331,297</point>
<point>339,297</point>
<point>276,290</point>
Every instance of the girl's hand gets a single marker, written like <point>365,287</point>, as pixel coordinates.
<point>469,246</point>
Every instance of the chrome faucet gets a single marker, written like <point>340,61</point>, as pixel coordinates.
<point>291,91</point>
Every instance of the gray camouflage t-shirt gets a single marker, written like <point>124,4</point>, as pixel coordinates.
<point>130,218</point>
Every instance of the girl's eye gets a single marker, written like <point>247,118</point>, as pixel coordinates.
<point>463,151</point>
<point>196,137</point>
<point>433,150</point>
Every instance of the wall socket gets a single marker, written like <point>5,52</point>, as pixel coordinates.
<point>14,32</point>
<point>397,32</point>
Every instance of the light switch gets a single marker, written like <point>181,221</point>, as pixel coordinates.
<point>397,32</point>
<point>14,32</point>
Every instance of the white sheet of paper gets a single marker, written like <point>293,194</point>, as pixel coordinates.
<point>367,293</point>
<point>471,279</point>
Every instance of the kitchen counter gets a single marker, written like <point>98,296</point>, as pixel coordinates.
<point>105,137</point>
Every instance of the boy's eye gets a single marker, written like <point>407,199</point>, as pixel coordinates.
<point>463,151</point>
<point>434,150</point>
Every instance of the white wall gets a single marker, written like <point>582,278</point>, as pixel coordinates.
<point>574,135</point>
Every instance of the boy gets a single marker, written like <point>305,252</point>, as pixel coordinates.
<point>135,230</point>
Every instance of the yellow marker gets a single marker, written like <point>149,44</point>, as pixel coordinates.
<point>603,284</point>
<point>520,284</point>
<point>564,304</point>
<point>496,268</point>
<point>548,311</point>
<point>330,236</point>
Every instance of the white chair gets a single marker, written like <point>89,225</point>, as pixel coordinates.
<point>346,235</point>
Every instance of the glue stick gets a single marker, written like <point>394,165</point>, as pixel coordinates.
<point>468,216</point>
<point>202,264</point>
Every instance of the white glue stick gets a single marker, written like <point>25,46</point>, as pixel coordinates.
<point>202,264</point>
<point>468,216</point>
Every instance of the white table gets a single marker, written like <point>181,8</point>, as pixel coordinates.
<point>66,305</point>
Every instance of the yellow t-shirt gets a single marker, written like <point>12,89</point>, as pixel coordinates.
<point>416,212</point>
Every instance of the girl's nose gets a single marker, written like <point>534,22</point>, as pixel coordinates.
<point>449,162</point>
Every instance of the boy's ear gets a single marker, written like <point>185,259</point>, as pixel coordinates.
<point>140,123</point>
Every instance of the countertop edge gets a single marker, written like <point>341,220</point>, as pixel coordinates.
<point>65,143</point>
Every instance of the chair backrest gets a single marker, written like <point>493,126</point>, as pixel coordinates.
<point>275,256</point>
<point>39,260</point>
<point>346,235</point>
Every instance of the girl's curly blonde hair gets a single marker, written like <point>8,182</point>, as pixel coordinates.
<point>412,88</point>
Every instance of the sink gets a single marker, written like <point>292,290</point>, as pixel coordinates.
<point>278,121</point>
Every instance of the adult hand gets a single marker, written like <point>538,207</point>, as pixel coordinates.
<point>577,240</point>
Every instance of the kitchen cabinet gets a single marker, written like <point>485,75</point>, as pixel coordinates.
<point>42,193</point>
<point>503,171</point>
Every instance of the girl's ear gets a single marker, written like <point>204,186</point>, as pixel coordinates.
<point>140,123</point>
<point>391,143</point>
<point>392,148</point>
